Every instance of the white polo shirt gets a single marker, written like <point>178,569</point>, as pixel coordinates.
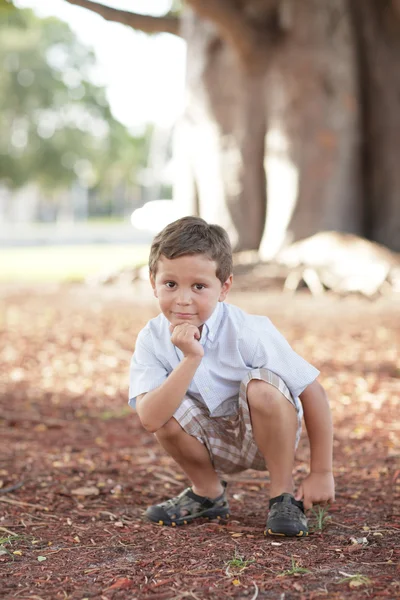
<point>234,343</point>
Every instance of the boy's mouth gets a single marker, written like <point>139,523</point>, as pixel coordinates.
<point>184,315</point>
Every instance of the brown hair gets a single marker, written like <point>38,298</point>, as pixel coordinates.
<point>193,235</point>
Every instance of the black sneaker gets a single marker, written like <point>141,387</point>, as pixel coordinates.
<point>286,517</point>
<point>186,507</point>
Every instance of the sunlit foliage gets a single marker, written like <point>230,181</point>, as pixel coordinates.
<point>56,126</point>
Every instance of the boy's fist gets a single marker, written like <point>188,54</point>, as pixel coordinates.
<point>186,337</point>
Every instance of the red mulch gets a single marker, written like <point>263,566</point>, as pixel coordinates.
<point>65,425</point>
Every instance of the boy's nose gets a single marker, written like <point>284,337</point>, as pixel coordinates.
<point>184,297</point>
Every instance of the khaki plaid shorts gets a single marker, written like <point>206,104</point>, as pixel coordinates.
<point>229,440</point>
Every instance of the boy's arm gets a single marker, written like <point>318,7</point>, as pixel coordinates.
<point>156,407</point>
<point>319,485</point>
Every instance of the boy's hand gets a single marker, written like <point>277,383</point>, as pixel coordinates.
<point>316,488</point>
<point>186,337</point>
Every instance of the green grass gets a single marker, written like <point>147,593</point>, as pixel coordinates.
<point>238,562</point>
<point>322,517</point>
<point>8,541</point>
<point>356,580</point>
<point>295,570</point>
<point>67,263</point>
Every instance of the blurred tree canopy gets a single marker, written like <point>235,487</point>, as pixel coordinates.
<point>56,126</point>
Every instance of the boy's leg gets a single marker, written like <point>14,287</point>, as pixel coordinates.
<point>274,423</point>
<point>206,498</point>
<point>193,458</point>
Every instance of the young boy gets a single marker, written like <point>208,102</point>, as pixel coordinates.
<point>222,390</point>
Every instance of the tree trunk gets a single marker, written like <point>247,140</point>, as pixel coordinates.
<point>377,31</point>
<point>306,91</point>
<point>313,143</point>
<point>220,141</point>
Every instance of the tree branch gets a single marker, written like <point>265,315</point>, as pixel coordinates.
<point>232,24</point>
<point>146,23</point>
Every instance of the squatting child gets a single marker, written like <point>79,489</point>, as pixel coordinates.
<point>222,390</point>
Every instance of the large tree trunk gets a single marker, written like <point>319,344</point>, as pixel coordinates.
<point>377,31</point>
<point>305,89</point>
<point>221,136</point>
<point>313,144</point>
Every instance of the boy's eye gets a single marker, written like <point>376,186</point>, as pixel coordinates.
<point>199,286</point>
<point>170,284</point>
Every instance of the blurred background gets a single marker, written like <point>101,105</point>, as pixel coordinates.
<point>87,113</point>
<point>277,119</point>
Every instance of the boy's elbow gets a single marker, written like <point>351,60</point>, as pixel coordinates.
<point>149,424</point>
<point>148,417</point>
<point>146,422</point>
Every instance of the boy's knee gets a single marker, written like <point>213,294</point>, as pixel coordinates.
<point>170,430</point>
<point>264,397</point>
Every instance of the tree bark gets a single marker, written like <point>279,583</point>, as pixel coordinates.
<point>233,28</point>
<point>313,142</point>
<point>305,90</point>
<point>222,135</point>
<point>376,25</point>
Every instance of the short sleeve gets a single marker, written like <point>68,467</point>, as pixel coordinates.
<point>275,353</point>
<point>146,370</point>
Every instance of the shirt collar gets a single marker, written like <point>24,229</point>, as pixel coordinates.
<point>210,327</point>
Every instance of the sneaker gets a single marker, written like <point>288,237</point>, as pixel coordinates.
<point>186,507</point>
<point>286,517</point>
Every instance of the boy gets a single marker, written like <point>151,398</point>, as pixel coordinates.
<point>220,388</point>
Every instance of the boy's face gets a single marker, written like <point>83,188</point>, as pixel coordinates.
<point>188,289</point>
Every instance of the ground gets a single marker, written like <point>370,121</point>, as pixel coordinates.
<point>77,469</point>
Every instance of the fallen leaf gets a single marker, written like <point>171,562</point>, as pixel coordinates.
<point>86,491</point>
<point>41,558</point>
<point>357,541</point>
<point>17,552</point>
<point>236,582</point>
<point>121,584</point>
<point>298,587</point>
<point>354,583</point>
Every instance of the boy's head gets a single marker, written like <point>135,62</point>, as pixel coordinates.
<point>193,235</point>
<point>190,267</point>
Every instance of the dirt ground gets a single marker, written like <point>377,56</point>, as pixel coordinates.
<point>77,470</point>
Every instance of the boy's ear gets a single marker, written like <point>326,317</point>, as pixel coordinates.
<point>225,288</point>
<point>153,284</point>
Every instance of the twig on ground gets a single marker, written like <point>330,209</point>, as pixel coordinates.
<point>12,488</point>
<point>19,503</point>
<point>255,595</point>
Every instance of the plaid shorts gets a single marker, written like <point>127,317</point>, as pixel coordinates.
<point>229,440</point>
